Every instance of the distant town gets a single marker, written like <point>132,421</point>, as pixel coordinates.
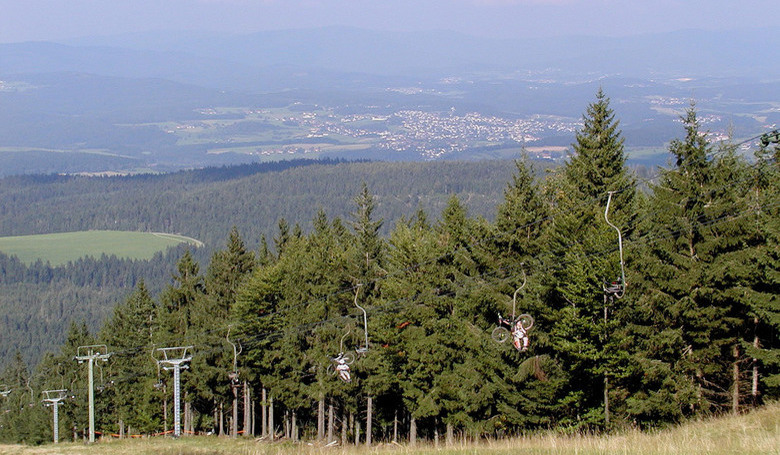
<point>429,135</point>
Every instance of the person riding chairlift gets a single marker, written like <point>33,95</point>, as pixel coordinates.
<point>343,368</point>
<point>520,336</point>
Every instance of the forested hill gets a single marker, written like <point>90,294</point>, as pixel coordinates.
<point>205,204</point>
<point>674,316</point>
<point>39,301</point>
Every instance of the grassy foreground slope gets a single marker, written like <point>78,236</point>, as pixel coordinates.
<point>60,248</point>
<point>755,433</point>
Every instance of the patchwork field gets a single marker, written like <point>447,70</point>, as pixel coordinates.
<point>60,248</point>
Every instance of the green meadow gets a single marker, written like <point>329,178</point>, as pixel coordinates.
<point>757,432</point>
<point>60,248</point>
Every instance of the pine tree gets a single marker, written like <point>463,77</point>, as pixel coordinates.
<point>209,377</point>
<point>695,305</point>
<point>760,277</point>
<point>584,322</point>
<point>125,390</point>
<point>178,300</point>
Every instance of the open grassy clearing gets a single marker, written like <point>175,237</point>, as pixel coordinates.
<point>754,433</point>
<point>60,248</point>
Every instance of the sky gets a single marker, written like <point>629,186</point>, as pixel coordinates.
<point>52,20</point>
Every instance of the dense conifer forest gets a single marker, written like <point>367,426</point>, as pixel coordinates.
<point>649,308</point>
<point>39,301</point>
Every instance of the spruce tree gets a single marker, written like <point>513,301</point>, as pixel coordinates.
<point>696,303</point>
<point>582,259</point>
<point>212,364</point>
<point>125,391</point>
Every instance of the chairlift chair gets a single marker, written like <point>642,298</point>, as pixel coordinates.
<point>501,333</point>
<point>362,349</point>
<point>615,288</point>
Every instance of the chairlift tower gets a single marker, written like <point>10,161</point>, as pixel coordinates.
<point>53,398</point>
<point>90,354</point>
<point>173,359</point>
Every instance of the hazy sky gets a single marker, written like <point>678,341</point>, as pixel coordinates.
<point>23,20</point>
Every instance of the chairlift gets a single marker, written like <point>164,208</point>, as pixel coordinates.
<point>340,364</point>
<point>362,349</point>
<point>233,375</point>
<point>507,327</point>
<point>346,356</point>
<point>103,385</point>
<point>772,137</point>
<point>615,288</point>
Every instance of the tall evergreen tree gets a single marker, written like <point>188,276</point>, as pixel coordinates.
<point>178,301</point>
<point>695,302</point>
<point>127,393</point>
<point>583,257</point>
<point>212,364</point>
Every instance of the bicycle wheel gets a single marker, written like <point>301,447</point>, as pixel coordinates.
<point>526,320</point>
<point>500,334</point>
<point>348,358</point>
<point>332,370</point>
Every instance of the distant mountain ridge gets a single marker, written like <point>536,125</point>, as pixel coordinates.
<point>200,58</point>
<point>168,101</point>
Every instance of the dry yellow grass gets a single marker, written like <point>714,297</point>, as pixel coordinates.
<point>754,433</point>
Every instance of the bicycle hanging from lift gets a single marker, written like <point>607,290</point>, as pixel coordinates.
<point>515,327</point>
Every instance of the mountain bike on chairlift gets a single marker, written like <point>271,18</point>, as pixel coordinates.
<point>515,327</point>
<point>340,366</point>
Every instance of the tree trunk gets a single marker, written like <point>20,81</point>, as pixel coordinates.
<point>606,379</point>
<point>165,413</point>
<point>221,420</point>
<point>735,380</point>
<point>264,412</point>
<point>756,344</point>
<point>450,435</point>
<point>331,422</point>
<point>395,426</point>
<point>436,433</point>
<point>369,419</point>
<point>294,428</point>
<point>321,418</point>
<point>186,425</point>
<point>356,427</point>
<point>234,423</point>
<point>413,432</point>
<point>343,426</point>
<point>121,429</point>
<point>271,431</point>
<point>606,399</point>
<point>287,424</point>
<point>216,418</point>
<point>247,411</point>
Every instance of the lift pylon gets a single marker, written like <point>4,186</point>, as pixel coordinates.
<point>175,358</point>
<point>90,354</point>
<point>53,398</point>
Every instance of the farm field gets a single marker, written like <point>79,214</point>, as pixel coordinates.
<point>60,248</point>
<point>757,432</point>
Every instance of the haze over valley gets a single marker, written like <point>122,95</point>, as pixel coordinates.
<point>166,101</point>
